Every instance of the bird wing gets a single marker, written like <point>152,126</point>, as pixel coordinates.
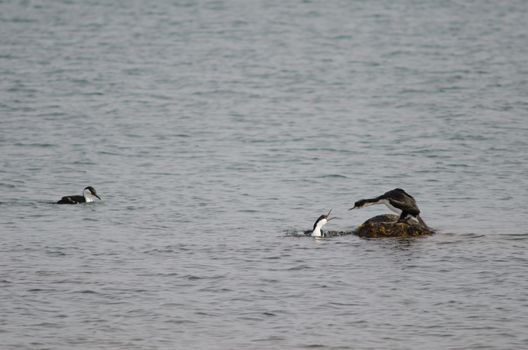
<point>408,206</point>
<point>65,200</point>
<point>316,221</point>
<point>70,200</point>
<point>397,194</point>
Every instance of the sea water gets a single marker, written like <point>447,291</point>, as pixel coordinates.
<point>211,129</point>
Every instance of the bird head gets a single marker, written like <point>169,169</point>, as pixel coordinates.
<point>89,190</point>
<point>359,204</point>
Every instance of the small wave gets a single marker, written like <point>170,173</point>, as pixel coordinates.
<point>180,321</point>
<point>299,267</point>
<point>38,145</point>
<point>193,277</point>
<point>248,211</point>
<point>86,291</point>
<point>332,176</point>
<point>36,290</point>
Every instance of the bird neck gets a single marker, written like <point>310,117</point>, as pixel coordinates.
<point>88,196</point>
<point>317,230</point>
<point>390,206</point>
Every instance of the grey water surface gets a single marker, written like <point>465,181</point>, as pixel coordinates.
<point>212,129</point>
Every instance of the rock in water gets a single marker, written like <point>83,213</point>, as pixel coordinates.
<point>388,226</point>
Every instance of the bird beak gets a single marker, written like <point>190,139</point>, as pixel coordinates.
<point>98,197</point>
<point>328,218</point>
<point>332,218</point>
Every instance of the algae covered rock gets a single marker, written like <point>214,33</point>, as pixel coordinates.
<point>388,226</point>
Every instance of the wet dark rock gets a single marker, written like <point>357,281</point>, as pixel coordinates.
<point>388,226</point>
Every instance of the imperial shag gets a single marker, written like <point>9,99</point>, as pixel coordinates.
<point>89,195</point>
<point>318,225</point>
<point>396,200</point>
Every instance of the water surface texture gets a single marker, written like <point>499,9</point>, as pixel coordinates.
<point>211,129</point>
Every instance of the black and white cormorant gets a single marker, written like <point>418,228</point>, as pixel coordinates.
<point>318,225</point>
<point>396,200</point>
<point>88,196</point>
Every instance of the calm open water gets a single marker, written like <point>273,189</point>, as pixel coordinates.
<point>213,128</point>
